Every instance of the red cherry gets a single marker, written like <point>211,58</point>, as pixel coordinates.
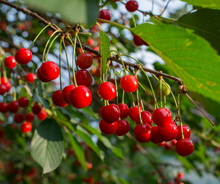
<point>36,109</point>
<point>10,62</point>
<point>80,97</point>
<point>23,101</point>
<point>107,90</point>
<point>29,117</point>
<point>30,77</point>
<point>8,86</point>
<point>142,133</point>
<point>134,112</point>
<point>173,142</point>
<point>180,175</point>
<point>131,5</point>
<point>162,144</point>
<point>88,180</point>
<point>41,77</point>
<point>154,136</point>
<point>110,113</point>
<point>4,80</point>
<point>65,93</point>
<point>162,117</point>
<point>23,56</point>
<point>18,118</point>
<point>105,14</point>
<point>122,127</point>
<point>42,115</point>
<point>83,77</point>
<point>107,128</point>
<point>3,89</point>
<point>137,40</point>
<point>57,99</point>
<point>146,118</point>
<point>186,132</point>
<point>50,70</point>
<point>89,165</point>
<point>13,106</point>
<point>84,60</point>
<point>129,83</point>
<point>26,127</point>
<point>168,133</point>
<point>184,147</point>
<point>90,41</point>
<point>3,107</point>
<point>123,110</point>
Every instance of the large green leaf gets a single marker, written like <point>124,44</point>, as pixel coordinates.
<point>205,23</point>
<point>215,4</point>
<point>47,145</point>
<point>189,56</point>
<point>74,11</point>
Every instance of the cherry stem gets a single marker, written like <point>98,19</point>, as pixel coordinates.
<point>178,113</point>
<point>67,60</point>
<point>60,63</point>
<point>48,50</point>
<point>155,99</point>
<point>139,110</point>
<point>135,25</point>
<point>45,48</point>
<point>123,96</point>
<point>120,59</point>
<point>80,44</point>
<point>165,101</point>
<point>41,32</point>
<point>74,51</point>
<point>161,97</point>
<point>132,99</point>
<point>116,86</point>
<point>200,109</point>
<point>140,99</point>
<point>171,93</point>
<point>4,71</point>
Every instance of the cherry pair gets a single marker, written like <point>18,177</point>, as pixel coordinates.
<point>5,85</point>
<point>41,113</point>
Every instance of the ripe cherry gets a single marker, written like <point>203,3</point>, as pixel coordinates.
<point>8,86</point>
<point>23,56</point>
<point>23,101</point>
<point>29,117</point>
<point>57,99</point>
<point>146,118</point>
<point>168,133</point>
<point>26,127</point>
<point>3,107</point>
<point>184,147</point>
<point>18,118</point>
<point>154,135</point>
<point>4,80</point>
<point>162,117</point>
<point>89,165</point>
<point>42,115</point>
<point>137,40</point>
<point>13,106</point>
<point>41,77</point>
<point>3,89</point>
<point>84,60</point>
<point>129,83</point>
<point>122,127</point>
<point>123,110</point>
<point>90,41</point>
<point>50,70</point>
<point>107,128</point>
<point>36,109</point>
<point>83,77</point>
<point>107,90</point>
<point>186,132</point>
<point>80,97</point>
<point>65,93</point>
<point>30,77</point>
<point>10,62</point>
<point>110,113</point>
<point>105,14</point>
<point>131,5</point>
<point>180,175</point>
<point>142,133</point>
<point>133,112</point>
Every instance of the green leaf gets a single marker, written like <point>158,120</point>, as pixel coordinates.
<point>190,57</point>
<point>118,152</point>
<point>86,137</point>
<point>123,181</point>
<point>74,11</point>
<point>78,151</point>
<point>205,23</point>
<point>214,4</point>
<point>47,145</point>
<point>105,50</point>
